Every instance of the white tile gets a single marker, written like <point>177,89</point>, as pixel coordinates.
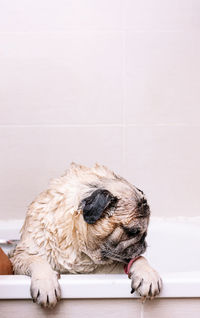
<point>164,162</point>
<point>173,308</point>
<point>71,308</point>
<point>31,156</point>
<point>162,77</point>
<point>65,78</point>
<point>52,15</point>
<point>161,15</point>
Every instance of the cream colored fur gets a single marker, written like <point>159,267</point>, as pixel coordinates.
<point>55,237</point>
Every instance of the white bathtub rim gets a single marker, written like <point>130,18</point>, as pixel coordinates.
<point>175,285</point>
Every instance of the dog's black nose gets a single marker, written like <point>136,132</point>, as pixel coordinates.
<point>143,202</point>
<point>143,208</point>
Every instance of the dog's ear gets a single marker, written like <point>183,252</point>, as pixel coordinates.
<point>94,205</point>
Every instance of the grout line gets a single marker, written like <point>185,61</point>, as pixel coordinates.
<point>93,29</point>
<point>132,29</point>
<point>124,102</point>
<point>123,157</point>
<point>123,125</point>
<point>164,125</point>
<point>142,310</point>
<point>60,125</point>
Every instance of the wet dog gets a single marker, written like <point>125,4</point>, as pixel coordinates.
<point>88,220</point>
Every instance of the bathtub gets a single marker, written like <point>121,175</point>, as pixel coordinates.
<point>173,249</point>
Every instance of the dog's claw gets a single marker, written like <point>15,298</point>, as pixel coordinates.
<point>150,290</point>
<point>159,288</point>
<point>145,280</point>
<point>45,289</point>
<point>140,283</point>
<point>132,290</point>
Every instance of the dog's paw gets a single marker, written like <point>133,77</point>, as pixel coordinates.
<point>45,289</point>
<point>145,280</point>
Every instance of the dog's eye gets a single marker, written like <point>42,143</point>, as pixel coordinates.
<point>131,231</point>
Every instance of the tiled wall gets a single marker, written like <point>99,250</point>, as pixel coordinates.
<point>113,81</point>
<point>107,308</point>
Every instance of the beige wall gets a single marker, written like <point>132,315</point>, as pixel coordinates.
<point>107,308</point>
<point>116,82</point>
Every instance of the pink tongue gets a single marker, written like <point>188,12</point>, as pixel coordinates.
<point>128,266</point>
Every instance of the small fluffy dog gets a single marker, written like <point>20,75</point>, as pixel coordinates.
<point>88,220</point>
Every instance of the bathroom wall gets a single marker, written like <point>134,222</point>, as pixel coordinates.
<point>108,308</point>
<point>109,81</point>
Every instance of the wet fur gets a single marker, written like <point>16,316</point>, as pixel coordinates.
<point>59,234</point>
<point>56,230</point>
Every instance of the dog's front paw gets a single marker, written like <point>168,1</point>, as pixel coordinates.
<point>45,289</point>
<point>144,279</point>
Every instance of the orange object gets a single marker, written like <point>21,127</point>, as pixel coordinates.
<point>5,264</point>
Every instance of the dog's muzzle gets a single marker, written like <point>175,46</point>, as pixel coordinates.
<point>125,250</point>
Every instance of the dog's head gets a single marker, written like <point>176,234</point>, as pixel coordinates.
<point>116,215</point>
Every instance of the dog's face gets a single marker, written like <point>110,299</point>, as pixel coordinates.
<point>117,217</point>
